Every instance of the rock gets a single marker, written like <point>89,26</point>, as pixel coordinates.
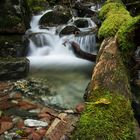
<point>26,105</point>
<point>62,127</point>
<point>69,29</point>
<point>81,23</point>
<point>55,17</point>
<point>35,123</point>
<point>80,107</point>
<point>11,45</point>
<point>5,126</point>
<point>13,68</point>
<point>34,136</point>
<point>20,112</point>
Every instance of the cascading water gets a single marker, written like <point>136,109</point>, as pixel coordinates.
<point>58,64</point>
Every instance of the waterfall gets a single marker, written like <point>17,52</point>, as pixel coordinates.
<point>48,45</point>
<point>52,60</point>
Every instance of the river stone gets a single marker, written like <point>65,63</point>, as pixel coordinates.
<point>81,23</point>
<point>54,18</point>
<point>35,123</point>
<point>67,30</point>
<point>13,68</point>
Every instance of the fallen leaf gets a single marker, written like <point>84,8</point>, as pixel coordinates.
<point>102,101</point>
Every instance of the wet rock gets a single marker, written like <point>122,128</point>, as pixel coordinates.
<point>4,105</point>
<point>61,127</point>
<point>56,17</point>
<point>81,23</point>
<point>35,123</point>
<point>69,29</point>
<point>34,136</point>
<point>27,105</point>
<point>20,112</point>
<point>5,126</point>
<point>13,68</point>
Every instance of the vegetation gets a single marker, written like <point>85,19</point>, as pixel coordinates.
<point>106,121</point>
<point>117,20</point>
<point>37,5</point>
<point>9,21</point>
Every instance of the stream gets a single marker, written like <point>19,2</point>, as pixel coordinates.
<point>56,65</point>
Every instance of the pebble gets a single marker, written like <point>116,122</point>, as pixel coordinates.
<point>35,123</point>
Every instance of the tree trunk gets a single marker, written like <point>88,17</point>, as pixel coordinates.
<point>82,54</point>
<point>108,113</point>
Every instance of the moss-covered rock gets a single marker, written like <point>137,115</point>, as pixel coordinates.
<point>112,121</point>
<point>13,68</point>
<point>117,20</point>
<point>114,15</point>
<point>55,17</point>
<point>126,34</point>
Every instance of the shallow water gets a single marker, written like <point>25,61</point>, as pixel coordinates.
<point>67,81</point>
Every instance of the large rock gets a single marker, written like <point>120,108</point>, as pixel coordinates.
<point>55,17</point>
<point>12,46</point>
<point>81,23</point>
<point>13,68</point>
<point>67,30</point>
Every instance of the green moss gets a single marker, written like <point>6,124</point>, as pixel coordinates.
<point>112,24</point>
<point>37,5</point>
<point>114,15</point>
<point>117,20</point>
<point>126,34</point>
<point>114,121</point>
<point>111,8</point>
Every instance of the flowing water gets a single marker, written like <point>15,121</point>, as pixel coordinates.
<point>57,64</point>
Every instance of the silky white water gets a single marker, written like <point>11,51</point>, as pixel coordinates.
<point>52,60</point>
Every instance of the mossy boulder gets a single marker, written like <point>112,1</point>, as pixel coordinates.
<point>69,29</point>
<point>112,121</point>
<point>81,23</point>
<point>13,68</point>
<point>55,17</point>
<point>117,20</point>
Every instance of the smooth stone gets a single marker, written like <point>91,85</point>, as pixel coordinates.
<point>35,123</point>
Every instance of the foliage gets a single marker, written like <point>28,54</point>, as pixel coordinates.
<point>37,5</point>
<point>112,121</point>
<point>9,21</point>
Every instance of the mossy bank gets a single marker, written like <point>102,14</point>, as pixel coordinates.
<point>112,121</point>
<point>117,20</point>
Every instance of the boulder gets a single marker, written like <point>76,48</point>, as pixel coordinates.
<point>54,18</point>
<point>12,46</point>
<point>81,23</point>
<point>69,29</point>
<point>13,68</point>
